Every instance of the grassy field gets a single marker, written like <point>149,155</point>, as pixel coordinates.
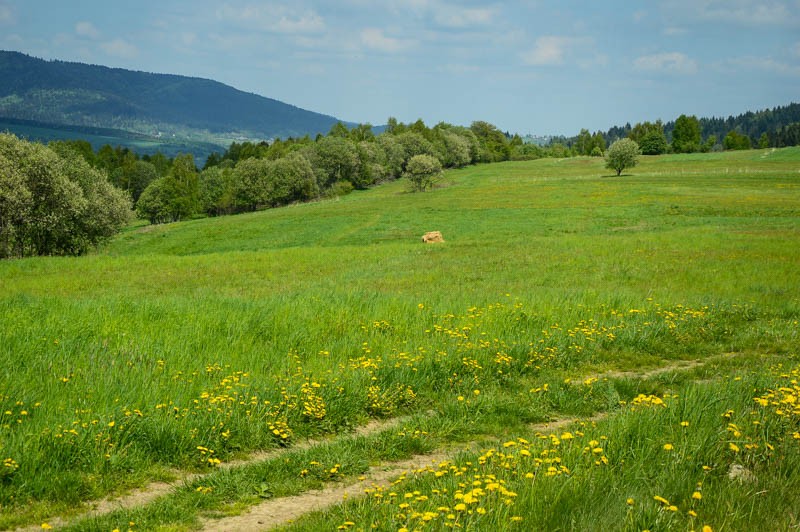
<point>558,292</point>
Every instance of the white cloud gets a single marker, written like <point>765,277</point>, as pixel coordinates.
<point>272,18</point>
<point>120,48</point>
<point>550,50</point>
<point>745,12</point>
<point>87,29</point>
<point>668,62</point>
<point>764,64</point>
<point>374,38</point>
<point>6,14</point>
<point>458,17</point>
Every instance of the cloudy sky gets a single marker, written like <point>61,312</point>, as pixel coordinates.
<point>542,67</point>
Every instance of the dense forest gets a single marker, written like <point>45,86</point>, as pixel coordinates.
<point>768,128</point>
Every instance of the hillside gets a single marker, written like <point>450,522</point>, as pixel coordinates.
<point>62,92</point>
<point>584,352</point>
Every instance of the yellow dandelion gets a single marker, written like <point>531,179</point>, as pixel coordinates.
<point>733,447</point>
<point>660,499</point>
<point>684,423</point>
<point>629,501</point>
<point>707,528</point>
<point>697,495</point>
<point>668,447</point>
<point>672,508</point>
<point>460,507</point>
<point>46,526</point>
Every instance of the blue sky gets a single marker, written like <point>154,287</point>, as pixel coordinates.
<point>527,66</point>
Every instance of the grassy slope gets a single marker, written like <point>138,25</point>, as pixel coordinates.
<point>565,241</point>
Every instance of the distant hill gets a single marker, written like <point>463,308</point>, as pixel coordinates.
<point>156,105</point>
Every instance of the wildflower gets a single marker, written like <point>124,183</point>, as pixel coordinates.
<point>668,447</point>
<point>684,423</point>
<point>733,447</point>
<point>516,518</point>
<point>460,507</point>
<point>629,501</point>
<point>697,495</point>
<point>672,508</point>
<point>707,528</point>
<point>661,499</point>
<point>46,526</point>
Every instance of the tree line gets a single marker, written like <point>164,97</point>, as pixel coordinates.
<point>770,128</point>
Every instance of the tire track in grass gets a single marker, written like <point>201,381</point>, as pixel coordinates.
<point>282,511</point>
<point>264,514</point>
<point>154,490</point>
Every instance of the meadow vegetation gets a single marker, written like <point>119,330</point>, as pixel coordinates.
<point>559,293</point>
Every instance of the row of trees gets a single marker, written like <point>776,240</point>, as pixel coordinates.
<point>52,202</point>
<point>249,176</point>
<point>776,127</point>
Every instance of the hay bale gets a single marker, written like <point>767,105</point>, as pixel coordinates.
<point>432,237</point>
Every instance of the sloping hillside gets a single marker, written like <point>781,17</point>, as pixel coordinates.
<point>88,95</point>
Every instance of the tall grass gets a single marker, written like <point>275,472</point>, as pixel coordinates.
<point>258,330</point>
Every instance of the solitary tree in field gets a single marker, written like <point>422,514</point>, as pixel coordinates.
<point>623,154</point>
<point>422,170</point>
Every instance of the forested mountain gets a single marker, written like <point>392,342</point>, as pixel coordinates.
<point>154,104</point>
<point>781,124</point>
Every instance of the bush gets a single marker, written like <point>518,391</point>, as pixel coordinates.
<point>422,171</point>
<point>53,204</point>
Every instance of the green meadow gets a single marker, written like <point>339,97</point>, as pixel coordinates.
<point>658,309</point>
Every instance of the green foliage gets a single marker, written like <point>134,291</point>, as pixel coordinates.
<point>494,145</point>
<point>763,141</point>
<point>153,204</point>
<point>334,159</point>
<point>736,141</point>
<point>217,191</point>
<point>686,135</point>
<point>422,171</point>
<point>623,154</point>
<point>54,204</point>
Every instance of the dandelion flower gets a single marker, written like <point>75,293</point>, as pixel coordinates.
<point>684,423</point>
<point>629,501</point>
<point>733,447</point>
<point>707,528</point>
<point>668,447</point>
<point>697,495</point>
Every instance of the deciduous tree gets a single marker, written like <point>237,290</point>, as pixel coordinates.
<point>623,154</point>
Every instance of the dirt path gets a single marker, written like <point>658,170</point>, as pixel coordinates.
<point>277,512</point>
<point>281,511</point>
<point>154,490</point>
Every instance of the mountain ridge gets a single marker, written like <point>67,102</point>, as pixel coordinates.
<point>73,93</point>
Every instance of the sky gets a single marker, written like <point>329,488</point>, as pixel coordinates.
<point>539,67</point>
